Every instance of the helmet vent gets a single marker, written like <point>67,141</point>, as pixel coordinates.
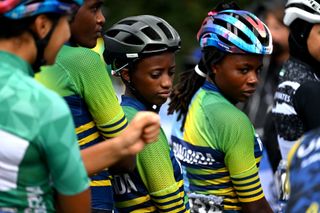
<point>151,33</point>
<point>165,30</point>
<point>131,39</point>
<point>128,22</point>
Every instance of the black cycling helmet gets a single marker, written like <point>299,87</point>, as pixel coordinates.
<point>138,36</point>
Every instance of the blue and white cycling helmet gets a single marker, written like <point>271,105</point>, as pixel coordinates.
<point>15,9</point>
<point>307,10</point>
<point>235,31</point>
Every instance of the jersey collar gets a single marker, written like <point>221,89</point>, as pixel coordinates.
<point>16,62</point>
<point>210,86</point>
<point>132,102</point>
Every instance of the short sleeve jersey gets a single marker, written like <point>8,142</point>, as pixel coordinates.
<point>219,149</point>
<point>156,185</point>
<point>39,150</point>
<point>304,180</point>
<point>80,76</point>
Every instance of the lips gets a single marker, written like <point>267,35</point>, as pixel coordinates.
<point>248,93</point>
<point>164,94</point>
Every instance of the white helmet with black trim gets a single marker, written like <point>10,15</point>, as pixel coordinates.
<point>307,10</point>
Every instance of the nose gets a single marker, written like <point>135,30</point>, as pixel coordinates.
<point>166,81</point>
<point>100,18</point>
<point>253,78</point>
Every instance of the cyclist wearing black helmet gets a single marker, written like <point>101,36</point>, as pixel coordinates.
<point>39,153</point>
<point>141,49</point>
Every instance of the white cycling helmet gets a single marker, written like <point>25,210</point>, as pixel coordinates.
<point>307,10</point>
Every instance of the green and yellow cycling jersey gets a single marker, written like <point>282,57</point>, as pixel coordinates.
<point>219,149</point>
<point>80,76</point>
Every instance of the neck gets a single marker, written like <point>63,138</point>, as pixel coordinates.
<point>22,46</point>
<point>136,95</point>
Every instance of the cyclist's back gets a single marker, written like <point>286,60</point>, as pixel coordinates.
<point>302,66</point>
<point>80,76</point>
<point>229,131</point>
<point>38,144</point>
<point>303,174</point>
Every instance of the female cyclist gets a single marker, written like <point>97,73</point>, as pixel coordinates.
<point>212,138</point>
<point>142,51</point>
<point>39,151</point>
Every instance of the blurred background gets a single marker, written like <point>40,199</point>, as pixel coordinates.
<point>184,15</point>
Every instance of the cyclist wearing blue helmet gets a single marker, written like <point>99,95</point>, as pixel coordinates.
<point>33,165</point>
<point>212,138</point>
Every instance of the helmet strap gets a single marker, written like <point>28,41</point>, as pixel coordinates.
<point>41,45</point>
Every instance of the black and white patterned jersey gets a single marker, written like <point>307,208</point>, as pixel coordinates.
<point>288,124</point>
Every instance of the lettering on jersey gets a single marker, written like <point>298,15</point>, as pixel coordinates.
<point>306,149</point>
<point>309,149</point>
<point>35,199</point>
<point>282,96</point>
<point>192,157</point>
<point>123,184</point>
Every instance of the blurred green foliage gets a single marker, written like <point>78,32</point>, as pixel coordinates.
<point>184,15</point>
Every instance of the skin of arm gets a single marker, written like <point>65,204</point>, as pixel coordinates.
<point>143,129</point>
<point>260,205</point>
<point>76,203</point>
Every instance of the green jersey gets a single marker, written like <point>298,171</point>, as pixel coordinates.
<point>39,151</point>
<point>156,185</point>
<point>80,76</point>
<point>219,149</point>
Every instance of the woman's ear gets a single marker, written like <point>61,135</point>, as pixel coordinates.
<point>125,74</point>
<point>214,69</point>
<point>42,26</point>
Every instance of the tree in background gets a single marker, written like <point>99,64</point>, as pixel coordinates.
<point>184,15</point>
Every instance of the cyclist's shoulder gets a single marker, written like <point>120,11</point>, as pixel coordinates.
<point>295,70</point>
<point>78,56</point>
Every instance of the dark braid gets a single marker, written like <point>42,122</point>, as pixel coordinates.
<point>189,83</point>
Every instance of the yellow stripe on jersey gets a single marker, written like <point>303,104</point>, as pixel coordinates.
<point>133,202</point>
<point>100,183</point>
<point>258,159</point>
<point>227,207</point>
<point>114,129</point>
<point>164,208</point>
<point>207,171</point>
<point>85,127</point>
<point>243,183</point>
<point>88,139</point>
<point>148,209</point>
<point>249,193</point>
